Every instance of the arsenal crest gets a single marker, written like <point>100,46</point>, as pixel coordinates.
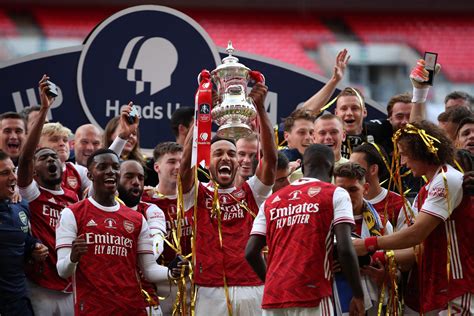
<point>129,226</point>
<point>313,191</point>
<point>72,182</point>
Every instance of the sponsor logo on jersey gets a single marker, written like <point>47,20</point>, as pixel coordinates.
<point>52,200</point>
<point>110,223</point>
<point>129,226</point>
<point>313,191</point>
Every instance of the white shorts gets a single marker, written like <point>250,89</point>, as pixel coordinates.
<point>48,302</point>
<point>246,300</point>
<point>325,308</point>
<point>462,305</point>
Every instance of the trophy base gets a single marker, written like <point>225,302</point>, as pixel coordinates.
<point>234,131</point>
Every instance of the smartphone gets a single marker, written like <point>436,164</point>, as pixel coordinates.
<point>132,115</point>
<point>430,65</point>
<point>52,91</point>
<point>174,264</point>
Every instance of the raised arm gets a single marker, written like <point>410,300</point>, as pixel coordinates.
<point>321,98</point>
<point>418,76</point>
<point>267,169</point>
<point>185,169</point>
<point>25,163</point>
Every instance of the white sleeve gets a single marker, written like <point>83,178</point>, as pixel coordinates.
<point>118,145</point>
<point>401,220</point>
<point>342,207</point>
<point>260,191</point>
<point>145,243</point>
<point>260,223</point>
<point>152,271</point>
<point>31,192</point>
<point>66,233</point>
<point>157,225</point>
<point>436,203</point>
<point>188,198</point>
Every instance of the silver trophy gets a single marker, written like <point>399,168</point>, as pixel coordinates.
<point>234,111</point>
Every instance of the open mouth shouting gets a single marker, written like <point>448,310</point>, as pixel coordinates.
<point>224,172</point>
<point>110,182</point>
<point>53,169</point>
<point>13,146</point>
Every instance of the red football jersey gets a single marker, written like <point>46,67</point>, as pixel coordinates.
<point>436,289</point>
<point>211,260</point>
<point>72,179</point>
<point>394,204</point>
<point>45,212</point>
<point>168,205</point>
<point>105,281</point>
<point>298,221</point>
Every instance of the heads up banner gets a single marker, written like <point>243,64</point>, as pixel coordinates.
<point>150,55</point>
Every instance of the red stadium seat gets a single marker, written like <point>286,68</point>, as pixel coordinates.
<point>7,27</point>
<point>450,36</point>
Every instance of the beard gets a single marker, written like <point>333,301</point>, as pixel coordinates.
<point>127,197</point>
<point>52,182</point>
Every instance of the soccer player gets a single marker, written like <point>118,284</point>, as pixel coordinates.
<point>224,279</point>
<point>246,151</point>
<point>16,244</point>
<point>167,157</point>
<point>443,227</point>
<point>465,135</point>
<point>13,134</point>
<point>351,177</point>
<point>385,202</point>
<point>100,242</point>
<point>39,180</point>
<point>298,223</point>
<point>130,188</point>
<point>298,133</point>
<point>87,139</point>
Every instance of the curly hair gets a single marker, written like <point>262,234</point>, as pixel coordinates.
<point>416,148</point>
<point>351,170</point>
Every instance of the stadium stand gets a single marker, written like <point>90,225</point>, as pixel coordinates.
<point>7,27</point>
<point>274,35</point>
<point>448,35</point>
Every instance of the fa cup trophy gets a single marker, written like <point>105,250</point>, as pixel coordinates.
<point>234,111</point>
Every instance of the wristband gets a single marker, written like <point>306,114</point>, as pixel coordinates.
<point>420,94</point>
<point>371,244</point>
<point>378,255</point>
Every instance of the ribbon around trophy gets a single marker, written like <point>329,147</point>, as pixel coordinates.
<point>203,121</point>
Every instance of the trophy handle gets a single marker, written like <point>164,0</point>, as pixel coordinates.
<point>257,76</point>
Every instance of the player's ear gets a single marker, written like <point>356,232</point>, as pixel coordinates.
<point>89,175</point>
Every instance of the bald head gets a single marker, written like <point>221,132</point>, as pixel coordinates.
<point>87,139</point>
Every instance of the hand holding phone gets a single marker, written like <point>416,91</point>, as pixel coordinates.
<point>430,66</point>
<point>52,91</point>
<point>133,114</point>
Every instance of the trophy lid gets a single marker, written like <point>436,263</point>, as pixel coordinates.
<point>230,61</point>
